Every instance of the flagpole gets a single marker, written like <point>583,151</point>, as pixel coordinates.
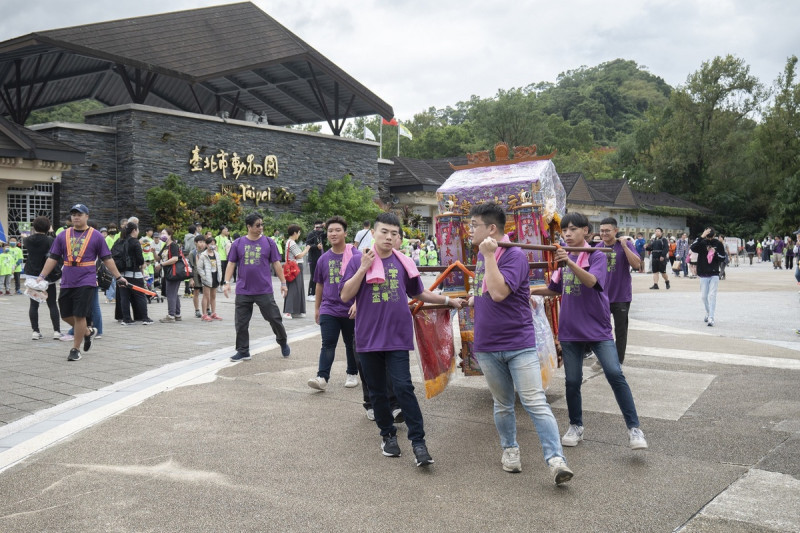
<point>380,135</point>
<point>398,138</point>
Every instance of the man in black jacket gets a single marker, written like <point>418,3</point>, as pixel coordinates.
<point>710,253</point>
<point>659,251</point>
<point>315,239</point>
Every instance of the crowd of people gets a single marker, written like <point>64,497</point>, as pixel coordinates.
<point>359,289</point>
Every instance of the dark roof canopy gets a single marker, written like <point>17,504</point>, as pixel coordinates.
<point>18,141</point>
<point>411,175</point>
<point>233,58</point>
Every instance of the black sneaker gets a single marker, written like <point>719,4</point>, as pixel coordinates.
<point>197,313</point>
<point>285,350</point>
<point>422,455</point>
<point>390,447</point>
<point>87,340</point>
<point>147,321</point>
<point>397,415</point>
<point>241,357</point>
<point>125,323</point>
<point>74,355</point>
<point>654,287</point>
<point>667,284</point>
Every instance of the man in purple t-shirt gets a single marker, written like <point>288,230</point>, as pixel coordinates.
<point>505,341</point>
<point>585,322</point>
<point>385,331</point>
<point>618,284</point>
<point>255,256</point>
<point>332,314</point>
<point>80,247</point>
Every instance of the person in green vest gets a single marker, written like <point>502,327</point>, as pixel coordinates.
<point>423,257</point>
<point>16,252</point>
<point>433,257</point>
<point>279,240</point>
<point>223,242</point>
<point>148,254</point>
<point>6,267</point>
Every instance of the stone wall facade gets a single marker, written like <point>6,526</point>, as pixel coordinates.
<point>133,148</point>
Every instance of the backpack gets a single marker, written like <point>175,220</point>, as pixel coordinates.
<point>119,253</point>
<point>104,276</point>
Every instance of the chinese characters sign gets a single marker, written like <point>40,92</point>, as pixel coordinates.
<point>234,165</point>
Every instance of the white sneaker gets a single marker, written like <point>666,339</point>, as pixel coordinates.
<point>351,381</point>
<point>596,367</point>
<point>311,298</point>
<point>287,316</point>
<point>35,336</point>
<point>57,335</point>
<point>318,383</point>
<point>560,471</point>
<point>636,439</point>
<point>511,461</point>
<point>573,436</point>
<point>371,414</point>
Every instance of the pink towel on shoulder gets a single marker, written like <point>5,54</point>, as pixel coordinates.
<point>710,255</point>
<point>346,257</point>
<point>583,262</point>
<point>497,253</point>
<point>375,274</point>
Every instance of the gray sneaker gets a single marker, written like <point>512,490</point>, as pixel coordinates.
<point>560,471</point>
<point>167,319</point>
<point>636,439</point>
<point>511,461</point>
<point>318,383</point>
<point>389,446</point>
<point>573,436</point>
<point>371,414</point>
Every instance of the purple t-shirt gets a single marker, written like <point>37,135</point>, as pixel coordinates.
<point>506,325</point>
<point>585,311</point>
<point>254,258</point>
<point>80,276</point>
<point>618,283</point>
<point>383,318</point>
<point>328,274</point>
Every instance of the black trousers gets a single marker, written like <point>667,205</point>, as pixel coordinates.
<point>619,310</point>
<point>130,298</point>
<point>244,312</point>
<point>52,304</point>
<point>312,267</point>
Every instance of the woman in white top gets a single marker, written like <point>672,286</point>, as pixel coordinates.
<point>209,268</point>
<point>295,301</point>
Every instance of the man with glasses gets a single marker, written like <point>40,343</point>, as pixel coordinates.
<point>254,256</point>
<point>315,239</point>
<point>80,246</point>
<point>505,341</point>
<point>618,284</point>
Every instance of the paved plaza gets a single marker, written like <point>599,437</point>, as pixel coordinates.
<point>155,430</point>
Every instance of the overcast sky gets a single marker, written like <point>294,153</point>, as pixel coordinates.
<point>415,54</point>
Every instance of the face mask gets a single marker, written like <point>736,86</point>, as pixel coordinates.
<point>212,247</point>
<point>163,238</point>
<point>12,244</point>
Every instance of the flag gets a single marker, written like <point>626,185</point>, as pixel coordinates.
<point>392,122</point>
<point>368,135</point>
<point>402,130</point>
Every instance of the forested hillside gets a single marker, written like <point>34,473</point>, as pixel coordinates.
<point>723,139</point>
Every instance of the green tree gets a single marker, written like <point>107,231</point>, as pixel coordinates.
<point>784,213</point>
<point>344,197</point>
<point>69,112</point>
<point>175,204</point>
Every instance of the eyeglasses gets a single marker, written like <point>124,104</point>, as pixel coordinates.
<point>473,225</point>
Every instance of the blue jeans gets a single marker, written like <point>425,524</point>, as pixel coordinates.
<point>111,293</point>
<point>606,353</point>
<point>330,326</point>
<point>708,293</point>
<point>520,369</point>
<point>97,315</point>
<point>376,366</point>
